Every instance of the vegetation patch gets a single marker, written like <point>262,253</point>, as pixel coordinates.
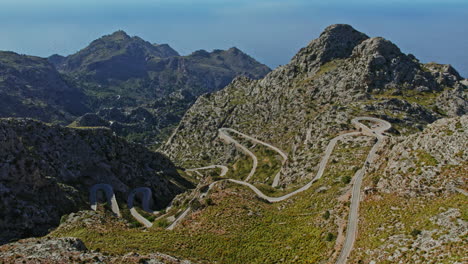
<point>387,215</point>
<point>239,226</point>
<point>425,159</point>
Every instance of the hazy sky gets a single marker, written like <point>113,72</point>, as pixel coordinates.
<point>271,31</point>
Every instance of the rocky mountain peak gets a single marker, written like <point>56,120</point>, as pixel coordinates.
<point>118,35</point>
<point>377,47</point>
<point>335,42</point>
<point>234,50</point>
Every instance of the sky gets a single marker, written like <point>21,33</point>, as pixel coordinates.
<point>271,31</point>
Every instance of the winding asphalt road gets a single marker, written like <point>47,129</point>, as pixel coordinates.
<point>203,195</point>
<point>351,230</point>
<point>224,169</point>
<point>110,196</point>
<point>146,201</point>
<point>225,136</point>
<point>182,216</point>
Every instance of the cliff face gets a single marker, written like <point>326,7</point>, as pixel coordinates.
<point>300,106</point>
<point>47,171</point>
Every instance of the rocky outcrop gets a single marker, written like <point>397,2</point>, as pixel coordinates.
<point>47,171</point>
<point>415,196</point>
<point>300,106</point>
<point>72,250</point>
<point>419,164</point>
<point>335,42</point>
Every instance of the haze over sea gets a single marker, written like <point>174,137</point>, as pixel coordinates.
<point>271,31</point>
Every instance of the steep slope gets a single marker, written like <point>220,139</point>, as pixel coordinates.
<point>31,87</point>
<point>415,206</point>
<point>72,250</point>
<point>47,171</point>
<point>308,111</point>
<point>299,106</point>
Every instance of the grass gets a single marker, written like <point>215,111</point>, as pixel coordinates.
<point>269,163</point>
<point>324,69</point>
<point>240,169</point>
<point>426,99</point>
<point>426,159</point>
<point>237,226</point>
<point>228,234</point>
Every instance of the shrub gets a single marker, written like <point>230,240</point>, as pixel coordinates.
<point>326,215</point>
<point>346,179</point>
<point>415,233</point>
<point>209,201</point>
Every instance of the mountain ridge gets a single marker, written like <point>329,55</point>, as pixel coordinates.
<point>348,110</point>
<point>121,73</point>
<point>375,78</point>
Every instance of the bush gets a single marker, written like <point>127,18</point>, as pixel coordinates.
<point>195,204</point>
<point>326,215</point>
<point>415,233</point>
<point>63,218</point>
<point>346,179</point>
<point>330,237</point>
<point>209,201</point>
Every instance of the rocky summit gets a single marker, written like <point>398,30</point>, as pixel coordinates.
<point>354,152</point>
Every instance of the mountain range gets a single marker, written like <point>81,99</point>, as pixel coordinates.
<point>138,89</point>
<point>353,152</point>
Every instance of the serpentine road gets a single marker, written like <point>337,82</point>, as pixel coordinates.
<point>145,205</point>
<point>224,169</point>
<point>110,196</point>
<point>351,230</point>
<point>224,135</point>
